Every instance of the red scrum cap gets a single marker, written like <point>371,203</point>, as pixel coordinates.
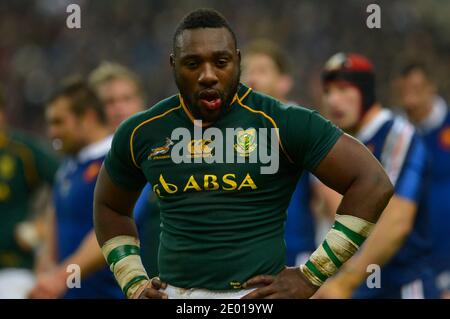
<point>355,69</point>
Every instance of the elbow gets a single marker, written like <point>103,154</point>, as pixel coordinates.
<point>387,190</point>
<point>384,190</point>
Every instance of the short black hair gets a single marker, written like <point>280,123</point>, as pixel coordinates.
<point>202,18</point>
<point>415,66</point>
<point>81,96</point>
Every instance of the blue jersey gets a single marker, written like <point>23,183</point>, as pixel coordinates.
<point>401,151</point>
<point>147,219</point>
<point>300,226</point>
<point>142,210</point>
<point>73,198</point>
<point>437,140</point>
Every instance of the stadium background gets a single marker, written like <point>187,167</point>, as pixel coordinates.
<point>37,49</point>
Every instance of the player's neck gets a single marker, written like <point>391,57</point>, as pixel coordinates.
<point>420,114</point>
<point>97,134</point>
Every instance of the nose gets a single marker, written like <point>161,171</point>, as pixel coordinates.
<point>208,76</point>
<point>332,99</point>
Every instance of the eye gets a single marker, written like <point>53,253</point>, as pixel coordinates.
<point>191,64</point>
<point>221,63</point>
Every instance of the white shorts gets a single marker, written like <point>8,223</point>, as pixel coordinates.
<point>443,280</point>
<point>15,283</point>
<point>200,293</point>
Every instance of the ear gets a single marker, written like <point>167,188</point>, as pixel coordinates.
<point>172,60</point>
<point>238,52</point>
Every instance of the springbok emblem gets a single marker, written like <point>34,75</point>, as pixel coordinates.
<point>161,150</point>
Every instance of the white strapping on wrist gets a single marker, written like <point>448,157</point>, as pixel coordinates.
<point>341,243</point>
<point>122,254</point>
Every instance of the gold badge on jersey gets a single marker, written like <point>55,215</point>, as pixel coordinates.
<point>246,142</point>
<point>7,167</point>
<point>199,148</point>
<point>160,152</point>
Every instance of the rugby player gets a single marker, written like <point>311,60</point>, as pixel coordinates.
<point>76,120</point>
<point>25,167</point>
<point>222,224</point>
<point>121,96</point>
<point>121,93</point>
<point>430,114</point>
<point>265,68</point>
<point>119,90</point>
<point>400,241</point>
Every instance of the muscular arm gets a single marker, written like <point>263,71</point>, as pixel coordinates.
<point>351,170</point>
<point>113,209</point>
<point>113,217</point>
<point>394,226</point>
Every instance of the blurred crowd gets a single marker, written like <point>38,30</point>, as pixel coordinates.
<point>37,49</point>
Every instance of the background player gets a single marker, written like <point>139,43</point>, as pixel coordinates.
<point>25,167</point>
<point>265,68</point>
<point>122,96</point>
<point>119,90</point>
<point>77,123</point>
<point>400,241</point>
<point>430,115</point>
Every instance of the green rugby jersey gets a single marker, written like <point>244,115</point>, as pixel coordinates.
<point>220,223</point>
<point>24,166</point>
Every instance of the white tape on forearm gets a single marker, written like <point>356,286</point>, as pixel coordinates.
<point>324,265</point>
<point>128,267</point>
<point>117,241</point>
<point>358,225</point>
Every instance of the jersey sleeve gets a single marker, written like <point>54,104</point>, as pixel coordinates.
<point>309,137</point>
<point>411,181</point>
<point>39,158</point>
<point>119,161</point>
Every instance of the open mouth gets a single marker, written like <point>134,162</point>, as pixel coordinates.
<point>210,99</point>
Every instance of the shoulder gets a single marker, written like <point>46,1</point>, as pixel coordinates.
<point>21,137</point>
<point>159,111</point>
<point>25,142</point>
<point>274,110</point>
<point>262,102</point>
